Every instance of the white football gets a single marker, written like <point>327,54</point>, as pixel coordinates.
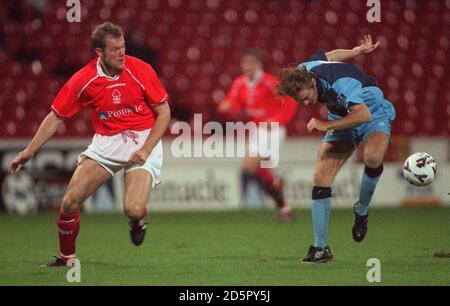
<point>420,169</point>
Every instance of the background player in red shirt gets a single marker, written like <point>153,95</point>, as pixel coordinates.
<point>130,114</point>
<point>253,97</point>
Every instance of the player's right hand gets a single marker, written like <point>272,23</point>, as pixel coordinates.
<point>17,163</point>
<point>316,125</point>
<point>224,107</point>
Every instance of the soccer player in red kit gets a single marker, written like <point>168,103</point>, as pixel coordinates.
<point>130,114</point>
<point>253,97</point>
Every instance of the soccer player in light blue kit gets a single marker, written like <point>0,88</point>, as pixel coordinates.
<point>357,112</point>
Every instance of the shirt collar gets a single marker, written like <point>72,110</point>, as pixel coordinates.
<point>101,73</point>
<point>256,79</point>
<point>320,89</point>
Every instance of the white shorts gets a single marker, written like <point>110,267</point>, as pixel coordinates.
<point>113,153</point>
<point>261,140</point>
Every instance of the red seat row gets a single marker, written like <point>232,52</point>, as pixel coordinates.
<point>199,44</point>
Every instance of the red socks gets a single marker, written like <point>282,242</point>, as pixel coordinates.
<point>272,185</point>
<point>68,228</point>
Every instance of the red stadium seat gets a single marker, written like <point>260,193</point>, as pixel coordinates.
<point>200,43</point>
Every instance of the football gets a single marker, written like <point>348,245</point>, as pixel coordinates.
<point>420,169</point>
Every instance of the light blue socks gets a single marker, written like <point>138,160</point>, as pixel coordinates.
<point>320,209</point>
<point>369,182</point>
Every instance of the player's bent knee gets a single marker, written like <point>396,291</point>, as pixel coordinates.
<point>322,179</point>
<point>70,205</point>
<point>134,212</point>
<point>373,161</point>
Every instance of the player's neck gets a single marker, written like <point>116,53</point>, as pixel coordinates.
<point>108,70</point>
<point>256,77</point>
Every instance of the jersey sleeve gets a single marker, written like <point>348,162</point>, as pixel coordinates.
<point>233,97</point>
<point>349,91</point>
<point>233,92</point>
<point>318,56</point>
<point>154,91</point>
<point>67,102</point>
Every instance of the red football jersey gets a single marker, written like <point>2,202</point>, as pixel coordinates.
<point>258,99</point>
<point>118,103</point>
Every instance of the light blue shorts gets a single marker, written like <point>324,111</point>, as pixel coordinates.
<point>381,121</point>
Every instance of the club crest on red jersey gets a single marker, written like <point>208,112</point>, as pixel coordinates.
<point>116,96</point>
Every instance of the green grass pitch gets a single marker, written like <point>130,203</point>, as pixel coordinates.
<point>231,248</point>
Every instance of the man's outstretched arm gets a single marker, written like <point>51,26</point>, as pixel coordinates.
<point>366,46</point>
<point>46,130</point>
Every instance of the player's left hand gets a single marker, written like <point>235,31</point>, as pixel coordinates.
<point>224,106</point>
<point>139,157</point>
<point>316,125</point>
<point>19,161</point>
<point>367,45</point>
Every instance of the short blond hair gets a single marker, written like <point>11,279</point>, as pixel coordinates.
<point>98,36</point>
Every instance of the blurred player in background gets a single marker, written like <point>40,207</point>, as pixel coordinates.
<point>253,97</point>
<point>357,112</point>
<point>130,114</point>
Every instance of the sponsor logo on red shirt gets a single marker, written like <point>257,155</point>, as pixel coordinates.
<point>119,112</point>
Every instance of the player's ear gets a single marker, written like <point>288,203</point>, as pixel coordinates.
<point>99,52</point>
